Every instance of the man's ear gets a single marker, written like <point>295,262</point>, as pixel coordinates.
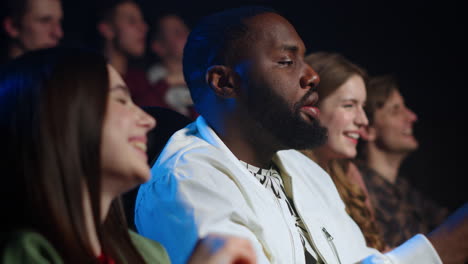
<point>10,28</point>
<point>106,30</point>
<point>222,80</point>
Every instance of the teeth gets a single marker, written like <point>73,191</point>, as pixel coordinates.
<point>353,135</point>
<point>139,145</point>
<point>314,110</point>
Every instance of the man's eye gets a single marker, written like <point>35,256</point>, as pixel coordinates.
<point>348,105</point>
<point>133,21</point>
<point>45,20</point>
<point>286,62</point>
<point>122,100</point>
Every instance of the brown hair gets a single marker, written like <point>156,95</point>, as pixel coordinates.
<point>106,9</point>
<point>15,9</point>
<point>334,70</point>
<point>52,107</point>
<point>379,89</point>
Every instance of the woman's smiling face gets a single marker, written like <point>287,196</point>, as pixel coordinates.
<point>123,147</point>
<point>343,115</point>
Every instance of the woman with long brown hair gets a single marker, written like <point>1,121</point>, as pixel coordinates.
<point>73,142</point>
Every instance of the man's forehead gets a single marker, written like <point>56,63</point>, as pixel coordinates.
<point>276,30</point>
<point>41,7</point>
<point>127,9</point>
<point>171,20</point>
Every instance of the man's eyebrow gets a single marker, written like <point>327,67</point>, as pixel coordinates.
<point>354,100</point>
<point>290,48</point>
<point>120,87</point>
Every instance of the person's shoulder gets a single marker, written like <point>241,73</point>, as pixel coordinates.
<point>194,159</point>
<point>25,246</point>
<point>187,156</point>
<point>188,145</point>
<point>152,251</point>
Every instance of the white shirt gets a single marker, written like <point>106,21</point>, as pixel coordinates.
<point>199,187</point>
<point>271,179</point>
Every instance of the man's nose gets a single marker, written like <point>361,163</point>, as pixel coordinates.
<point>57,31</point>
<point>411,115</point>
<point>310,78</point>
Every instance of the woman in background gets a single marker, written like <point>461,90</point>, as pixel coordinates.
<point>342,94</point>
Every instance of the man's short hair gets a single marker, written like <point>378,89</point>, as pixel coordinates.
<point>156,31</point>
<point>15,9</point>
<point>104,13</point>
<point>379,89</point>
<point>217,40</point>
<point>106,9</point>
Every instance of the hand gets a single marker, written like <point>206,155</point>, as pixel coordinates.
<point>450,238</point>
<point>221,249</point>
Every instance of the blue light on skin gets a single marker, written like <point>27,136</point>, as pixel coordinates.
<point>214,243</point>
<point>178,221</point>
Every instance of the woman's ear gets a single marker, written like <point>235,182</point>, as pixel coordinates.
<point>221,79</point>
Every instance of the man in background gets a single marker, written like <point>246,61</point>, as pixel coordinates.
<point>168,38</point>
<point>31,25</point>
<point>401,211</point>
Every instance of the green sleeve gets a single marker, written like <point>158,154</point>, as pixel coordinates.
<point>31,247</point>
<point>27,247</point>
<point>152,251</point>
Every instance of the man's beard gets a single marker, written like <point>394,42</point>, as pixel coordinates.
<point>273,115</point>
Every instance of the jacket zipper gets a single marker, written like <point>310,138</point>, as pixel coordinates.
<point>313,245</point>
<point>330,242</point>
<point>289,231</point>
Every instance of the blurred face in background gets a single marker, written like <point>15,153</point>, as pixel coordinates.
<point>392,128</point>
<point>129,29</point>
<point>171,39</point>
<point>342,113</point>
<point>40,27</point>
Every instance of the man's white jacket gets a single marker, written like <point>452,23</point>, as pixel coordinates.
<point>199,187</point>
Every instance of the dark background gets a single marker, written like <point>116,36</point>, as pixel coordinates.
<point>420,43</point>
